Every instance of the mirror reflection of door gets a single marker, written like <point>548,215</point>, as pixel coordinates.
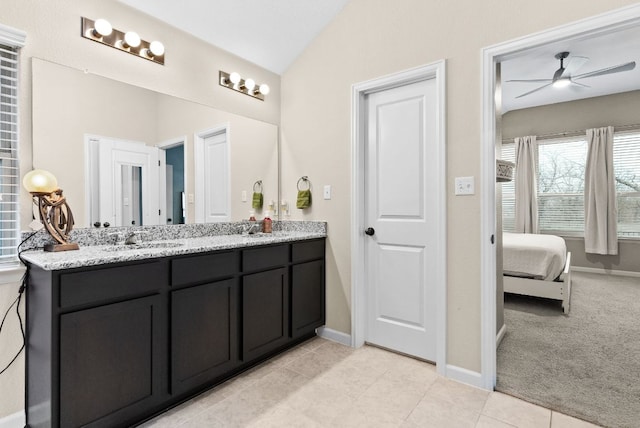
<point>121,182</point>
<point>212,175</point>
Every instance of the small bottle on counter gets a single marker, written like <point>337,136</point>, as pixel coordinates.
<point>266,223</point>
<point>252,216</point>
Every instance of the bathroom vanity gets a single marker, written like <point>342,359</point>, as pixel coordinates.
<point>117,336</point>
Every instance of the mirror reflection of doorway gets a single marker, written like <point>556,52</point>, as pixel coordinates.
<point>121,179</point>
<point>131,195</point>
<point>176,208</point>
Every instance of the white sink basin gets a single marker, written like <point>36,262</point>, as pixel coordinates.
<point>144,246</point>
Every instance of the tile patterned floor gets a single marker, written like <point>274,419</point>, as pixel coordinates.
<point>324,384</point>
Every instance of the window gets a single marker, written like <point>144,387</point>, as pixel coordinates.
<point>561,167</point>
<point>626,165</point>
<point>10,41</point>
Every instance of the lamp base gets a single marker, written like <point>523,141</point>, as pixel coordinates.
<point>61,247</point>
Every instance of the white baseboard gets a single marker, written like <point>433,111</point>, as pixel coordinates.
<point>465,376</point>
<point>334,335</point>
<point>501,334</point>
<point>16,420</point>
<point>603,271</point>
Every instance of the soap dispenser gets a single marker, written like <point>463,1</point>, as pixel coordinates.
<point>266,223</point>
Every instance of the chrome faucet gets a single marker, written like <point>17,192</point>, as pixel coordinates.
<point>132,238</point>
<point>253,228</point>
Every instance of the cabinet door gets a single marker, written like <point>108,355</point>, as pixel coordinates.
<point>204,334</point>
<point>307,297</point>
<point>265,314</point>
<point>112,363</point>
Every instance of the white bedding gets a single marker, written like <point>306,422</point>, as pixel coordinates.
<point>533,256</point>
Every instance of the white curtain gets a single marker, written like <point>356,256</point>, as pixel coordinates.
<point>526,185</point>
<point>600,210</point>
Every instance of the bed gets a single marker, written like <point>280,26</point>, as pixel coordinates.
<point>537,265</point>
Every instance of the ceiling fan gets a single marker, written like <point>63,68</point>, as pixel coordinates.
<point>564,77</point>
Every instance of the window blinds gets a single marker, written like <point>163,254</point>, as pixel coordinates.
<point>561,165</point>
<point>9,170</point>
<point>626,167</point>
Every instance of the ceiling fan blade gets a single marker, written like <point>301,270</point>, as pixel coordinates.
<point>535,90</point>
<point>575,62</point>
<point>580,84</point>
<point>609,70</point>
<point>529,80</point>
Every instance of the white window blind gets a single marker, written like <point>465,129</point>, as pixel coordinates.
<point>626,167</point>
<point>508,191</point>
<point>561,167</point>
<point>9,170</point>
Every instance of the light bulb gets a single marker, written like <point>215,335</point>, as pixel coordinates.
<point>156,48</point>
<point>234,78</point>
<point>264,89</point>
<point>131,39</point>
<point>249,84</point>
<point>562,83</point>
<point>102,28</point>
<point>40,181</point>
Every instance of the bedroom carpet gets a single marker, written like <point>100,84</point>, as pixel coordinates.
<point>586,364</point>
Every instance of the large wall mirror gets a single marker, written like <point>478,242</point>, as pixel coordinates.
<point>103,140</point>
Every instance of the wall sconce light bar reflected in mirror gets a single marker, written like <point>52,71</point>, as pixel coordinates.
<point>101,31</point>
<point>246,86</point>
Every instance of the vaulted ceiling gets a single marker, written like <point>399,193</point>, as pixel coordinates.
<point>273,33</point>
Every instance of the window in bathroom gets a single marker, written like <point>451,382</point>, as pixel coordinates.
<point>10,42</point>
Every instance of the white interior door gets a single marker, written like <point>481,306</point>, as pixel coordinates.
<point>212,171</point>
<point>401,204</point>
<point>128,183</point>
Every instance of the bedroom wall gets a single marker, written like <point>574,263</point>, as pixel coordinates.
<point>617,110</point>
<point>373,38</point>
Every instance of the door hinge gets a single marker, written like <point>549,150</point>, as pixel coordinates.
<point>159,213</point>
<point>493,239</point>
<point>158,163</point>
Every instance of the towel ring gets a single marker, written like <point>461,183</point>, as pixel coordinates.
<point>259,184</point>
<point>305,179</point>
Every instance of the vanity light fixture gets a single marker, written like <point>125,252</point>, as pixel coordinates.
<point>101,31</point>
<point>55,213</point>
<point>246,86</point>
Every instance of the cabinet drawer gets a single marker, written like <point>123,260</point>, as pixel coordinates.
<point>98,285</point>
<point>264,258</point>
<point>303,251</point>
<point>199,269</point>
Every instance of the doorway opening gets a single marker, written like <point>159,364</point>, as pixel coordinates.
<point>614,21</point>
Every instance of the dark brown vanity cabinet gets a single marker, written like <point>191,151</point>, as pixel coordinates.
<point>100,381</point>
<point>265,300</point>
<point>96,345</point>
<point>307,287</point>
<point>113,345</point>
<point>204,319</point>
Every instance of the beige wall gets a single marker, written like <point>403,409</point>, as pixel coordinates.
<point>190,72</point>
<point>616,110</point>
<point>371,38</point>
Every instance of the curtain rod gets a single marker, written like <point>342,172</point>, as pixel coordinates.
<point>576,133</point>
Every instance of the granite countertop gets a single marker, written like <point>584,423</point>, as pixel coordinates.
<point>92,255</point>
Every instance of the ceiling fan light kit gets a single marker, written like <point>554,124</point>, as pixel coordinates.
<point>565,76</point>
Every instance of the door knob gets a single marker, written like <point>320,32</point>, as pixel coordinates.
<point>369,231</point>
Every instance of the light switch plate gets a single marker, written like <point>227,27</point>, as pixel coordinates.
<point>465,186</point>
<point>327,191</point>
<point>244,196</point>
